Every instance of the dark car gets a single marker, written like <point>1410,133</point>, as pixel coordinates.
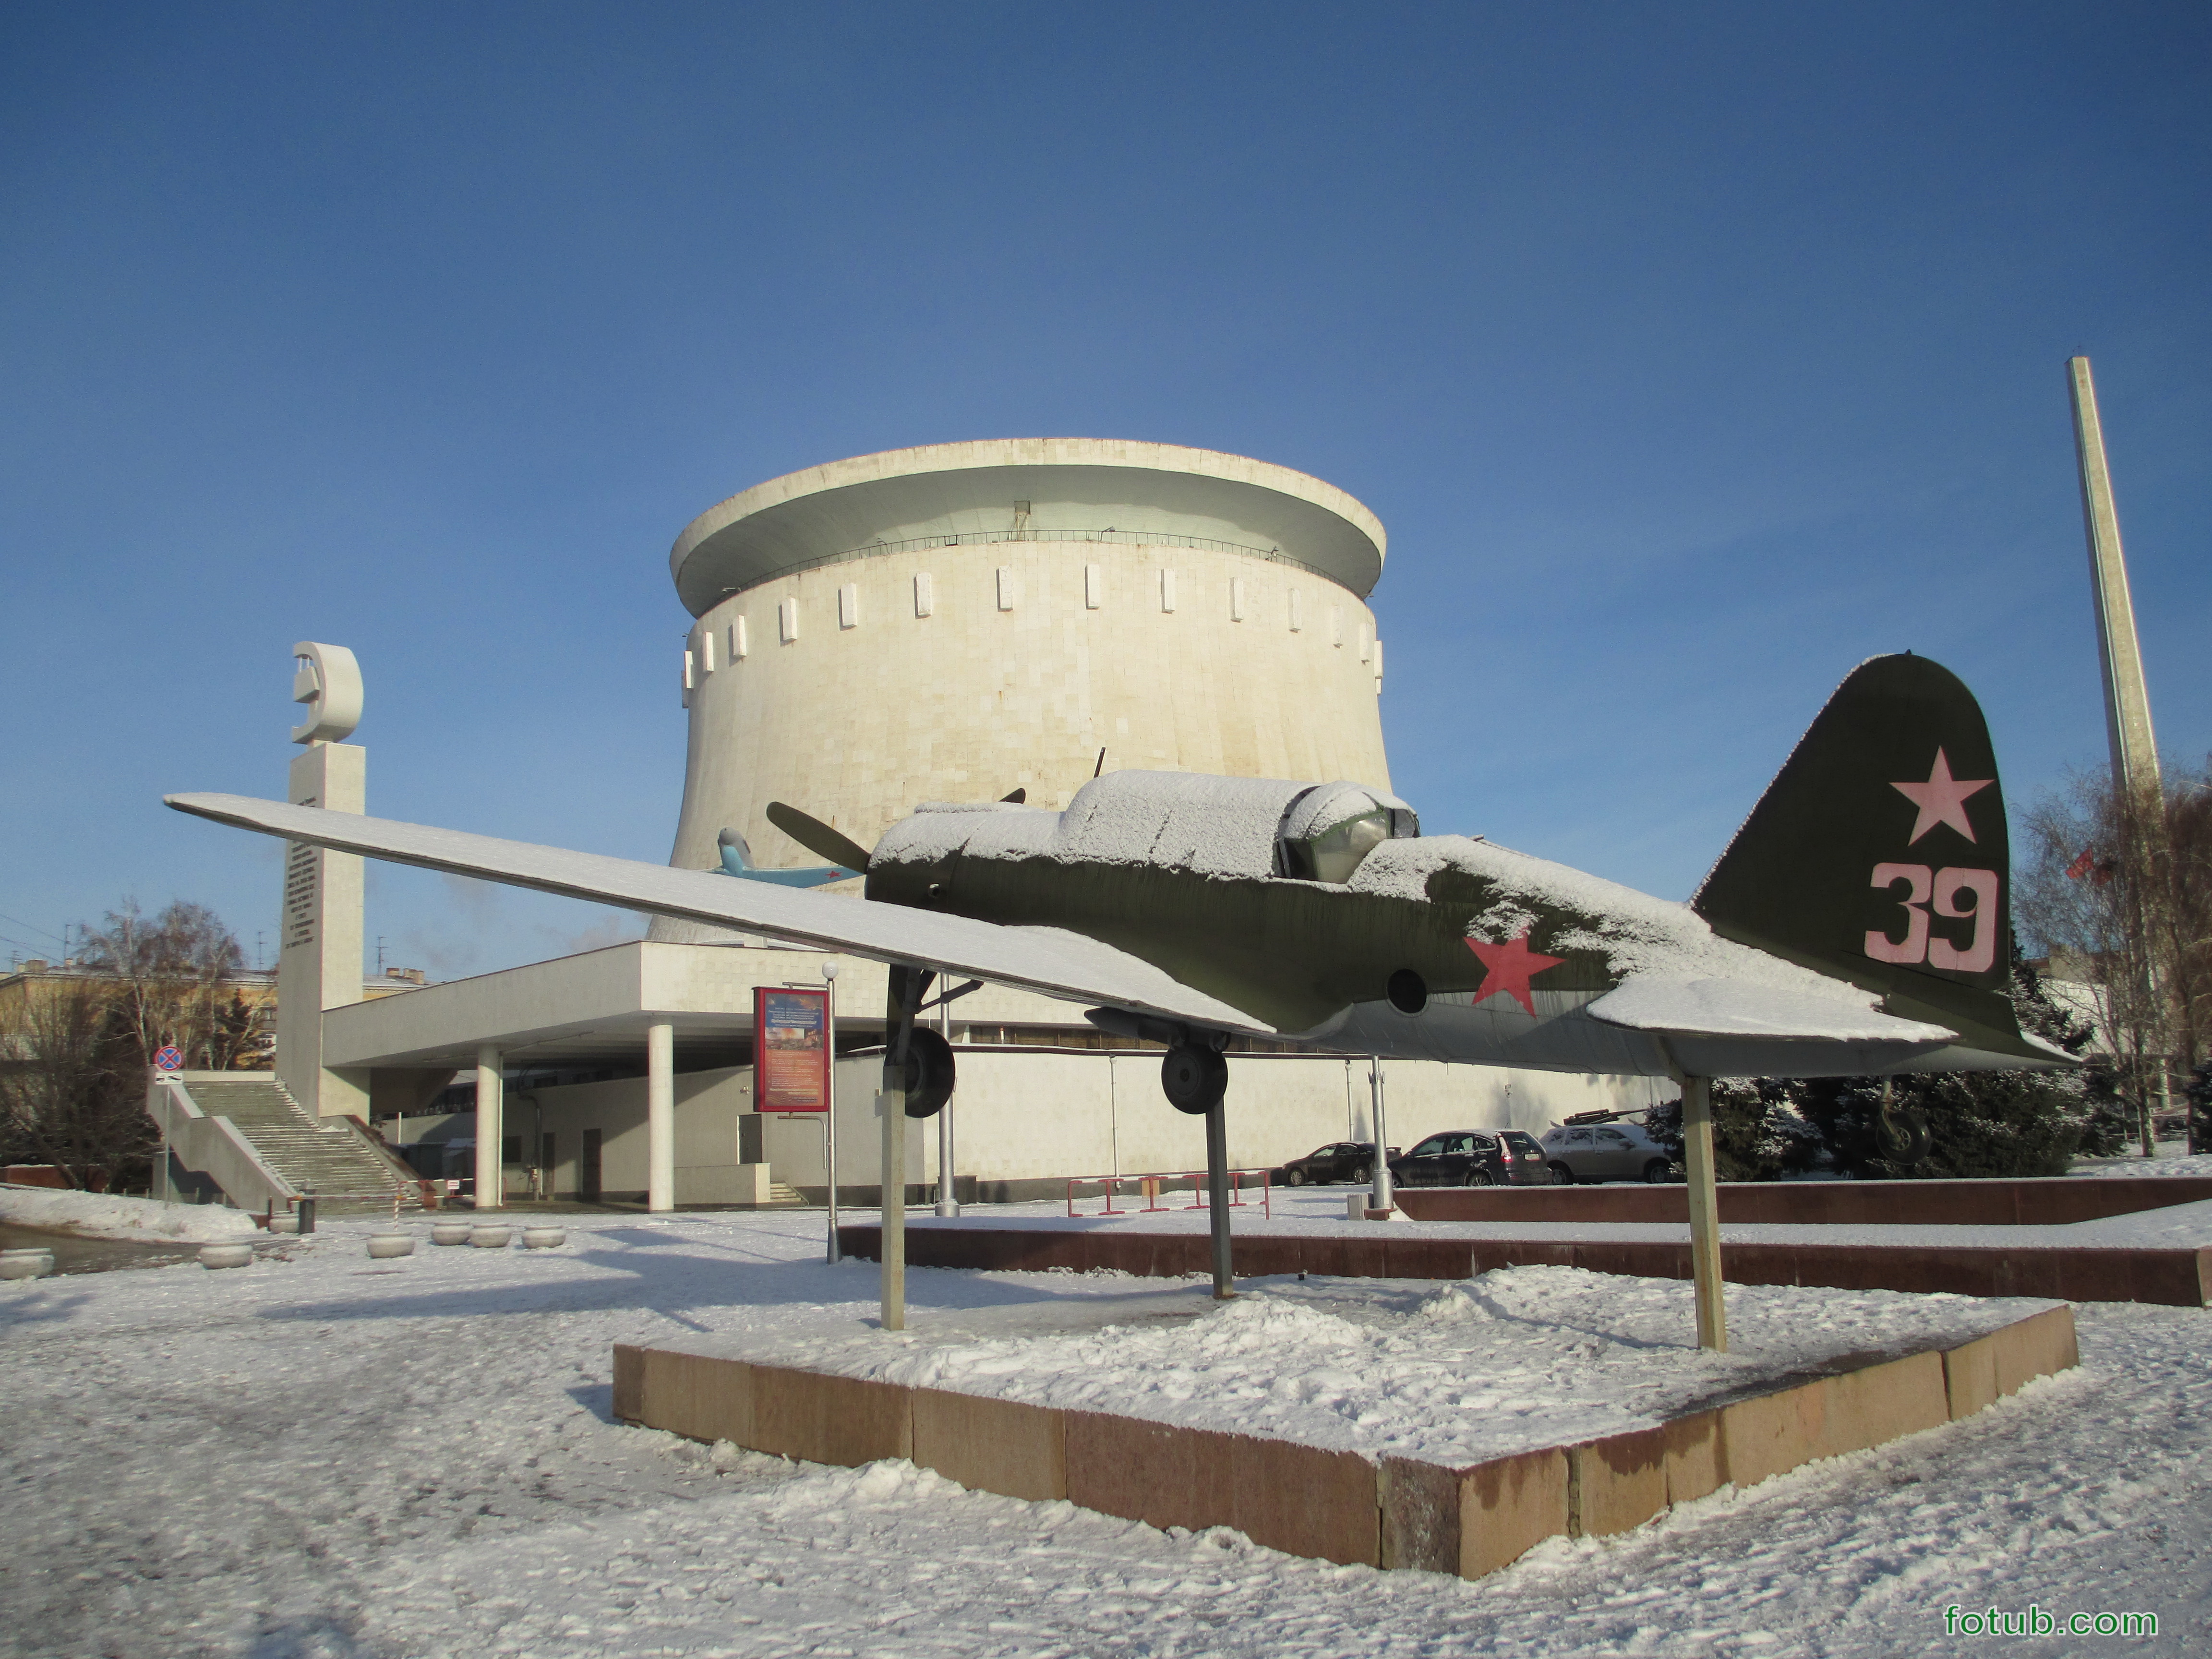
<point>1340,1160</point>
<point>1474,1158</point>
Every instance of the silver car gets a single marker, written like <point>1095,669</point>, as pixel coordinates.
<point>1590,1153</point>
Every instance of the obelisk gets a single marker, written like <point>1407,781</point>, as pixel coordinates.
<point>2127,702</point>
<point>319,961</point>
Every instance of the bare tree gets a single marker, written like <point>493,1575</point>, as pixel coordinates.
<point>75,1056</point>
<point>171,977</point>
<point>2117,893</point>
<point>71,1086</point>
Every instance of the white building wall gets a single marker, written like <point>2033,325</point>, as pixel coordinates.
<point>1038,1118</point>
<point>856,725</point>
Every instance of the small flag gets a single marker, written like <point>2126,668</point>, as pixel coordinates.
<point>2083,864</point>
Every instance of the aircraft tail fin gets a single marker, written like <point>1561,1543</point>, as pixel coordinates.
<point>736,856</point>
<point>1879,853</point>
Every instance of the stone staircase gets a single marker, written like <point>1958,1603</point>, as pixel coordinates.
<point>780,1194</point>
<point>338,1165</point>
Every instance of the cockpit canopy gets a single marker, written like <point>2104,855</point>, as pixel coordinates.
<point>1327,829</point>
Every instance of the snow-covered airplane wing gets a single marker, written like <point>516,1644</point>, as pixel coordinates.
<point>1718,1007</point>
<point>1043,959</point>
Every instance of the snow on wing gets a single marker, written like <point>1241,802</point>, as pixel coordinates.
<point>1729,1007</point>
<point>1044,959</point>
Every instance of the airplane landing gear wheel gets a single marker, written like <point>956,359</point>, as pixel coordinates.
<point>928,1073</point>
<point>1194,1079</point>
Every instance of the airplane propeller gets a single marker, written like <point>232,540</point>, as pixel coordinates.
<point>819,839</point>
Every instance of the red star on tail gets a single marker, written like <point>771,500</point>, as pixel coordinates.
<point>1509,967</point>
<point>1941,799</point>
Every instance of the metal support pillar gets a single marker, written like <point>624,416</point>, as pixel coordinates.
<point>1216,1198</point>
<point>948,1197</point>
<point>1384,1197</point>
<point>903,999</point>
<point>661,1116</point>
<point>491,1127</point>
<point>835,1252</point>
<point>1704,1212</point>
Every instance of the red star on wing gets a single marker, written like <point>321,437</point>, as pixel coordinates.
<point>1509,968</point>
<point>1941,799</point>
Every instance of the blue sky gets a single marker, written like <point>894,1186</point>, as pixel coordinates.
<point>1689,353</point>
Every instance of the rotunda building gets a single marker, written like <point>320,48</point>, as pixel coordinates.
<point>957,620</point>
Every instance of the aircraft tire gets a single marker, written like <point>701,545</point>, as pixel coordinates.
<point>1194,1078</point>
<point>928,1073</point>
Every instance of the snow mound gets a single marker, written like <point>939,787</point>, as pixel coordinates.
<point>97,1215</point>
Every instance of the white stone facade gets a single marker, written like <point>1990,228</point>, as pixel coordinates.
<point>1025,659</point>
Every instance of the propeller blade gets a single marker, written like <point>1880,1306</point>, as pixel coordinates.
<point>818,838</point>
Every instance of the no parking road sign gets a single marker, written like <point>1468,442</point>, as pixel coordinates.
<point>169,1058</point>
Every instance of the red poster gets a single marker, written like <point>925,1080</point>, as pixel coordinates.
<point>791,1052</point>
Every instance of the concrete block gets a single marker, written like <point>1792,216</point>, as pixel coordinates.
<point>1696,1466</point>
<point>1509,1505</point>
<point>1970,1376</point>
<point>1003,1446</point>
<point>1151,1472</point>
<point>1876,1404</point>
<point>2042,1345</point>
<point>822,1419</point>
<point>629,1383</point>
<point>697,1395</point>
<point>1773,1433</point>
<point>1305,1501</point>
<point>1420,1509</point>
<point>1616,1483</point>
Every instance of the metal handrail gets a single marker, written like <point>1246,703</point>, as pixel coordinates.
<point>985,537</point>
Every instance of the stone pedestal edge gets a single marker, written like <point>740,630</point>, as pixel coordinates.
<point>1394,1512</point>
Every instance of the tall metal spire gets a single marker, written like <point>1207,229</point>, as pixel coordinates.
<point>2127,702</point>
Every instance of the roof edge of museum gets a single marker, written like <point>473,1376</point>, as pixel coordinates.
<point>1107,490</point>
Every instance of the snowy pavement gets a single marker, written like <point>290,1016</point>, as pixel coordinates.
<point>1322,1210</point>
<point>292,1459</point>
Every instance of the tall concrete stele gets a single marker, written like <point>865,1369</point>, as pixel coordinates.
<point>2127,702</point>
<point>318,959</point>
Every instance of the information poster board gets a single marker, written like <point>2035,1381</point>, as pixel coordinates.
<point>790,1051</point>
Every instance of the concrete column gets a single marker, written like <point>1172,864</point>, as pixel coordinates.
<point>661,1116</point>
<point>2127,702</point>
<point>491,1127</point>
<point>319,938</point>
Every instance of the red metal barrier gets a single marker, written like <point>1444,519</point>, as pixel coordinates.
<point>1148,1187</point>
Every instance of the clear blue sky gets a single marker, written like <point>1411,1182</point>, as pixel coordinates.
<point>1690,354</point>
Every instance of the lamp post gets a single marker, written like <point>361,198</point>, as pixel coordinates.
<point>830,1118</point>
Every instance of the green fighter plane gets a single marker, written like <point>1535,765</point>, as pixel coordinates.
<point>1856,924</point>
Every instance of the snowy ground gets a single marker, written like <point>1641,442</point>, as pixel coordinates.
<point>1452,1373</point>
<point>291,1460</point>
<point>2173,1158</point>
<point>96,1215</point>
<point>1321,1210</point>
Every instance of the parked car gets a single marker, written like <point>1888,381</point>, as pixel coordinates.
<point>1474,1158</point>
<point>1340,1160</point>
<point>1619,1151</point>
